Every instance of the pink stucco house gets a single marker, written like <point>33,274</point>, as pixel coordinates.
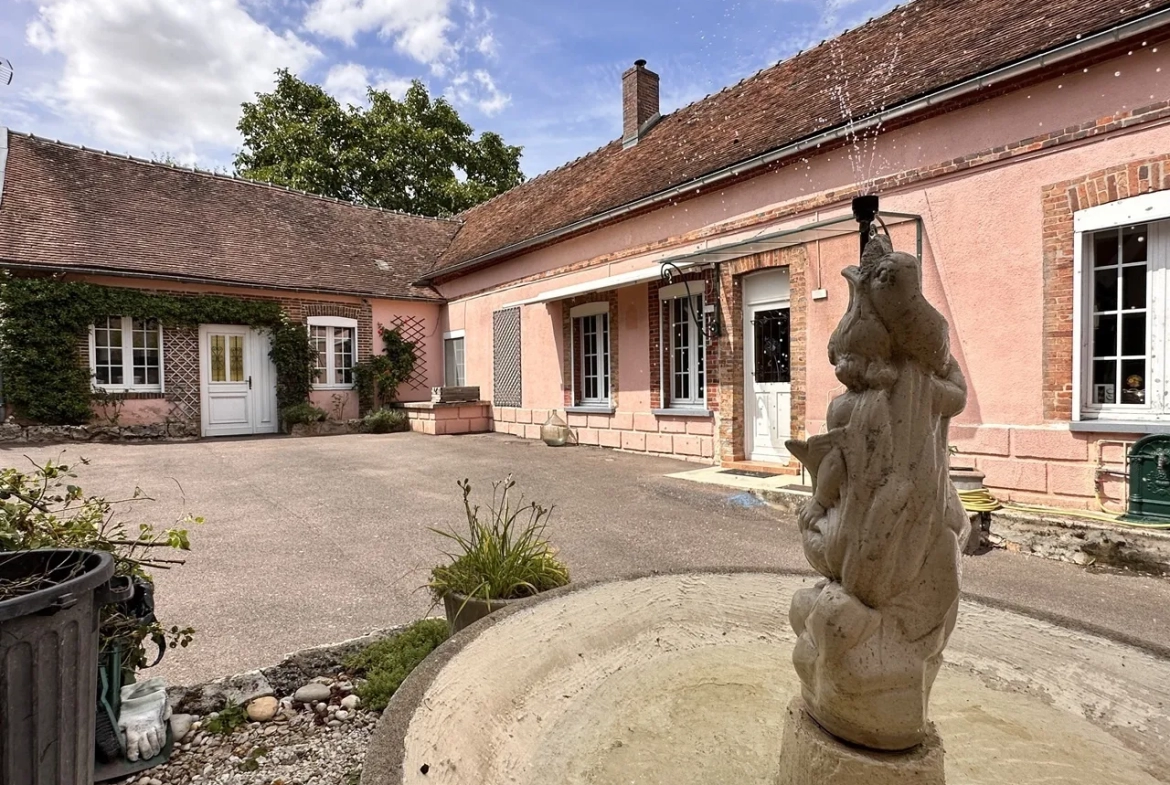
<point>1021,149</point>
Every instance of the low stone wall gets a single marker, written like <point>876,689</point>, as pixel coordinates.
<point>686,438</point>
<point>326,428</point>
<point>439,419</point>
<point>14,433</point>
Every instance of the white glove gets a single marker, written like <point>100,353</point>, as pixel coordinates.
<point>143,719</point>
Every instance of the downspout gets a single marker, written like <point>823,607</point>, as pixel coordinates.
<point>964,88</point>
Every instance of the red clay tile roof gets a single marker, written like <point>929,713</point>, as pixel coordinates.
<point>64,207</point>
<point>930,43</point>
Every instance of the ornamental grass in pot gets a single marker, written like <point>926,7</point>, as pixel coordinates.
<point>502,557</point>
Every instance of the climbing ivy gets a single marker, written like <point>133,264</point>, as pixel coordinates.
<point>44,321</point>
<point>376,379</point>
<point>292,351</point>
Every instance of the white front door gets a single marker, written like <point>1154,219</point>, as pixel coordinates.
<point>238,381</point>
<point>767,366</point>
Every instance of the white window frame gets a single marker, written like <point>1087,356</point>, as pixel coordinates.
<point>127,361</point>
<point>671,295</point>
<point>452,336</point>
<point>330,357</point>
<point>1153,210</point>
<point>605,361</point>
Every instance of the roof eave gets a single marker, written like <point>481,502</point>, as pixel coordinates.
<point>191,279</point>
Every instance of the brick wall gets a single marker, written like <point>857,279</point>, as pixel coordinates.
<point>1060,201</point>
<point>732,427</point>
<point>660,354</point>
<point>572,340</point>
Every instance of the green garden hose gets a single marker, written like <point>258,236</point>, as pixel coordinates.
<point>981,500</point>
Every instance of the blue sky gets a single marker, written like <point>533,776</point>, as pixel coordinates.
<point>148,77</point>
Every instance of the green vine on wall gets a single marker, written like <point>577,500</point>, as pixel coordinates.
<point>377,379</point>
<point>43,322</point>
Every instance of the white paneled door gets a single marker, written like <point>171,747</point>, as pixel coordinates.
<point>767,366</point>
<point>238,381</point>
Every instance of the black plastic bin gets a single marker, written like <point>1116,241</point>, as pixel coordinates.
<point>49,665</point>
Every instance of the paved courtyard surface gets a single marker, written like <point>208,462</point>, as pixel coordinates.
<point>312,541</point>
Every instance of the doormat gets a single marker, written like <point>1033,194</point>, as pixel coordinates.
<point>746,473</point>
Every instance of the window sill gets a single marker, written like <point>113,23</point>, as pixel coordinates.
<point>590,409</point>
<point>1119,426</point>
<point>333,387</point>
<point>682,411</point>
<point>141,392</point>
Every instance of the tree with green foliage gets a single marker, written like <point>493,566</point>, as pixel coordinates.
<point>415,155</point>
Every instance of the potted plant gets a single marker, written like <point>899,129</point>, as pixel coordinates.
<point>502,557</point>
<point>43,512</point>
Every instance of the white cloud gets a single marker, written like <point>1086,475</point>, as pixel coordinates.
<point>347,82</point>
<point>478,89</point>
<point>419,28</point>
<point>486,45</point>
<point>159,74</point>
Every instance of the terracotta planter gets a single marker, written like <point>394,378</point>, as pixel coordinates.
<point>463,611</point>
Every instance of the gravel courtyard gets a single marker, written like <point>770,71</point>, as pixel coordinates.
<point>312,541</point>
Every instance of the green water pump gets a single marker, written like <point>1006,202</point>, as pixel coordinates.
<point>1149,479</point>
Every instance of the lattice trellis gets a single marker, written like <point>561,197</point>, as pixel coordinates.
<point>414,329</point>
<point>181,369</point>
<point>506,386</point>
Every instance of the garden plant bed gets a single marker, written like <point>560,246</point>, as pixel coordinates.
<point>320,742</point>
<point>300,722</point>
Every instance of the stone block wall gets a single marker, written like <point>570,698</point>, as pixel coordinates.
<point>1047,465</point>
<point>688,438</point>
<point>449,419</point>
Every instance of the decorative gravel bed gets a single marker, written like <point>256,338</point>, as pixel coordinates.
<point>304,743</point>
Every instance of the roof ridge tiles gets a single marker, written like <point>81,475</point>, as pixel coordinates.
<point>231,178</point>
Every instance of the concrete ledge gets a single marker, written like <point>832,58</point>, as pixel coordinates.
<point>1055,537</point>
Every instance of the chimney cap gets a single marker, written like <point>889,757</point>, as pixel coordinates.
<point>640,63</point>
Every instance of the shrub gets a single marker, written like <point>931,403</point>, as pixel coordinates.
<point>301,414</point>
<point>377,379</point>
<point>387,663</point>
<point>503,556</point>
<point>385,421</point>
<point>43,509</point>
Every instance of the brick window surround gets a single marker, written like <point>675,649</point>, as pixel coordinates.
<point>660,355</point>
<point>1060,201</point>
<point>732,437</point>
<point>572,344</point>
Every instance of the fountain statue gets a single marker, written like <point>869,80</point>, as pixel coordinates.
<point>884,521</point>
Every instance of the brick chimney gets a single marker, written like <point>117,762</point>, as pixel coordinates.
<point>639,102</point>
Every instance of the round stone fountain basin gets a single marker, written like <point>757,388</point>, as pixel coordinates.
<point>684,680</point>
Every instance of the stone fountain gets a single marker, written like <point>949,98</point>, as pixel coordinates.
<point>687,679</point>
<point>883,527</point>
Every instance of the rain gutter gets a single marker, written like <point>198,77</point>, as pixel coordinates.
<point>1020,68</point>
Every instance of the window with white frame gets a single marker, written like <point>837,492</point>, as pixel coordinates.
<point>454,373</point>
<point>685,320</point>
<point>125,354</point>
<point>591,366</point>
<point>335,340</point>
<point>1123,308</point>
